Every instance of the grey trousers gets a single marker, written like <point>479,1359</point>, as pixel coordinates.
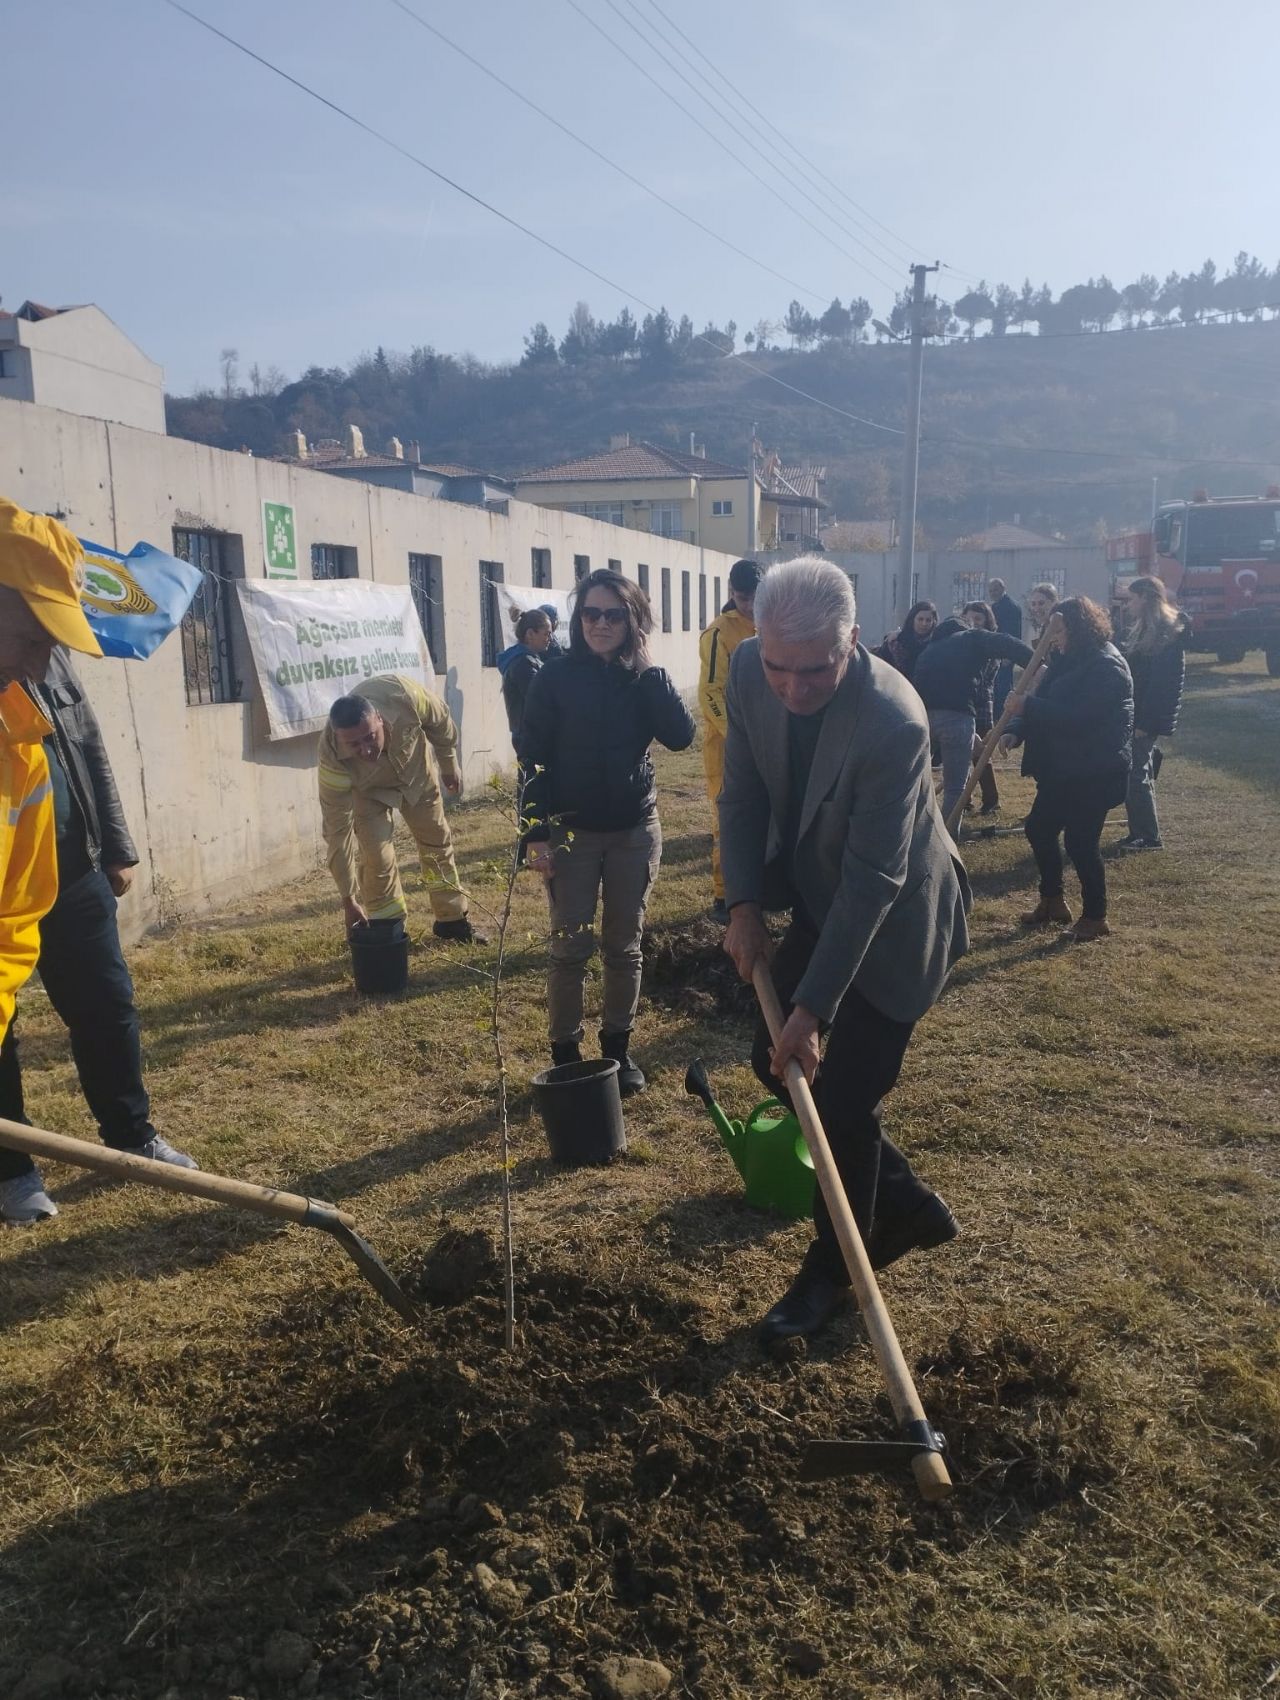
<point>954,732</point>
<point>622,865</point>
<point>1140,799</point>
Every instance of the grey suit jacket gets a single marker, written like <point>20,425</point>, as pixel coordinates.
<point>874,865</point>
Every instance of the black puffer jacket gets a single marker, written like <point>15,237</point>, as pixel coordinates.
<point>1158,678</point>
<point>585,740</point>
<point>949,672</point>
<point>1079,724</point>
<point>62,700</point>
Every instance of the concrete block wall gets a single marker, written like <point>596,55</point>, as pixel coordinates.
<point>218,810</point>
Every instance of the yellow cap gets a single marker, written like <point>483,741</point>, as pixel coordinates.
<point>40,559</point>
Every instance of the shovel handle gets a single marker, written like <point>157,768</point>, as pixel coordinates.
<point>196,1183</point>
<point>1026,684</point>
<point>927,1467</point>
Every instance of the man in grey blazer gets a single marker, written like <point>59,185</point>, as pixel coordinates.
<point>828,809</point>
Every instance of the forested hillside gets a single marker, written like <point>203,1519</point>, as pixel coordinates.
<point>1066,428</point>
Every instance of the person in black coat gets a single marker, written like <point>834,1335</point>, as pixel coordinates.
<point>519,665</point>
<point>1078,733</point>
<point>902,649</point>
<point>81,964</point>
<point>1008,619</point>
<point>1156,650</point>
<point>951,678</point>
<point>591,802</point>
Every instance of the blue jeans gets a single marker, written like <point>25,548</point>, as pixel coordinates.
<point>85,974</point>
<point>1140,798</point>
<point>954,733</point>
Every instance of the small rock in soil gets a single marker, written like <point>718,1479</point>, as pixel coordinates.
<point>474,1513</point>
<point>501,1597</point>
<point>286,1655</point>
<point>632,1679</point>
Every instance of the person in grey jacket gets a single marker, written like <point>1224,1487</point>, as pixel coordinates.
<point>828,809</point>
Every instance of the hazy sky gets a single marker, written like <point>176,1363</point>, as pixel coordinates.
<point>202,202</point>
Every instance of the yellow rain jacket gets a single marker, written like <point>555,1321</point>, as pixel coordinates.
<point>716,648</point>
<point>28,852</point>
<point>418,723</point>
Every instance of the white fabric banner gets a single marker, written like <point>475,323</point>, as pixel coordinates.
<point>516,599</point>
<point>312,643</point>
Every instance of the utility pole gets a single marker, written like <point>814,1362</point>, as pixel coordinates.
<point>911,455</point>
<point>751,492</point>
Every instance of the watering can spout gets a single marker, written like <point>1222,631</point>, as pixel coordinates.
<point>697,1085</point>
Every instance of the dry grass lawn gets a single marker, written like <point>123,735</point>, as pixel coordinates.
<point>227,1470</point>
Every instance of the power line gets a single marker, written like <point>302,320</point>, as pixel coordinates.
<point>907,248</point>
<point>545,242</point>
<point>400,5</point>
<point>768,187</point>
<point>715,105</point>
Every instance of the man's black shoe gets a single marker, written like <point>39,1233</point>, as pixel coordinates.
<point>807,1306</point>
<point>630,1078</point>
<point>929,1224</point>
<point>458,932</point>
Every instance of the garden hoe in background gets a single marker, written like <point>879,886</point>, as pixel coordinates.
<point>919,1444</point>
<point>218,1189</point>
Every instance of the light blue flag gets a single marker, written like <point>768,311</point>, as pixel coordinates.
<point>134,601</point>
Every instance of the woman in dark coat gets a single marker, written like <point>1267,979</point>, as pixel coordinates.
<point>901,649</point>
<point>591,801</point>
<point>519,666</point>
<point>1078,733</point>
<point>1156,650</point>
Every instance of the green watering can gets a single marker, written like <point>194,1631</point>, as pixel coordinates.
<point>768,1150</point>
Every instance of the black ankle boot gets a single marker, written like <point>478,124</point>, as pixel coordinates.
<point>565,1051</point>
<point>630,1079</point>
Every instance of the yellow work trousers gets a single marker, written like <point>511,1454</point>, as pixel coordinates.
<point>713,766</point>
<point>380,890</point>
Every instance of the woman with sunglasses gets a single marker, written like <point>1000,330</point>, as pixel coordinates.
<point>592,803</point>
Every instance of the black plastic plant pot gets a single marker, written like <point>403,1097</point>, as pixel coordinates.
<point>581,1110</point>
<point>379,957</point>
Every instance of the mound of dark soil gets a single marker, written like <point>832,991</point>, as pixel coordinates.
<point>686,969</point>
<point>614,1503</point>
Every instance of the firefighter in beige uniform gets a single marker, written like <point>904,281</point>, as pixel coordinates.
<point>716,648</point>
<point>391,746</point>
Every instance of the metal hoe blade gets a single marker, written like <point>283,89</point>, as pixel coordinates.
<point>365,1258</point>
<point>823,1459</point>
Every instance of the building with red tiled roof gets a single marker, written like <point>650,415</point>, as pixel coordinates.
<point>647,487</point>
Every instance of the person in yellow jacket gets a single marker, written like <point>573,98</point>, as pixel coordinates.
<point>716,647</point>
<point>392,746</point>
<point>39,607</point>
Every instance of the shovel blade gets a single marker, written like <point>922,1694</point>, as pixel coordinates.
<point>375,1272</point>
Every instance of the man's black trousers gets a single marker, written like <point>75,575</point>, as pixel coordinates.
<point>85,974</point>
<point>862,1061</point>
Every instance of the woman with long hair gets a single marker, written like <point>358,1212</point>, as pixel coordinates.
<point>901,649</point>
<point>1042,599</point>
<point>520,663</point>
<point>1078,730</point>
<point>594,833</point>
<point>1155,647</point>
<point>981,617</point>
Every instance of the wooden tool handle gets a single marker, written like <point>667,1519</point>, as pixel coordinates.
<point>196,1183</point>
<point>929,1470</point>
<point>1030,677</point>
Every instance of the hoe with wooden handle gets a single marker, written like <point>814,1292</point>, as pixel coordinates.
<point>1027,682</point>
<point>219,1189</point>
<point>920,1444</point>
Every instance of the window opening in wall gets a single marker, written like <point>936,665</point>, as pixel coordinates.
<point>581,566</point>
<point>685,601</point>
<point>721,510</point>
<point>491,572</point>
<point>333,560</point>
<point>426,586</point>
<point>541,569</point>
<point>642,576</point>
<point>702,602</point>
<point>666,599</point>
<point>665,518</point>
<point>1057,577</point>
<point>915,591</point>
<point>968,587</point>
<point>211,664</point>
<point>616,567</point>
<point>609,512</point>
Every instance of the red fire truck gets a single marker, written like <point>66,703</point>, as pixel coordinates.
<point>1221,560</point>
